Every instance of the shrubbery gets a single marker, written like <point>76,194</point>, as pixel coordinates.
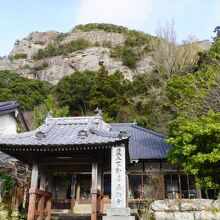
<point>43,66</point>
<point>28,92</point>
<point>126,55</point>
<point>54,49</point>
<point>19,56</point>
<point>104,27</point>
<point>135,47</point>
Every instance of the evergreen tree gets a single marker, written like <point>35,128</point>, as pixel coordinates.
<point>110,92</point>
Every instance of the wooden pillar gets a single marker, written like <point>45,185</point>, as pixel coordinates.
<point>102,181</point>
<point>100,187</point>
<point>73,192</point>
<point>42,198</point>
<point>94,191</point>
<point>78,189</point>
<point>48,203</point>
<point>32,196</point>
<point>99,179</point>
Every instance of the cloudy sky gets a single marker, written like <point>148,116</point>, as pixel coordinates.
<point>191,17</point>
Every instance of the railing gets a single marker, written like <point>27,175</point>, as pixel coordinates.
<point>42,198</point>
<point>100,204</point>
<point>97,203</point>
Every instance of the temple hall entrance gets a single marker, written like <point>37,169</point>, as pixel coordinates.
<point>69,189</point>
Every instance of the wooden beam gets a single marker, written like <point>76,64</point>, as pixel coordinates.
<point>68,168</point>
<point>40,192</point>
<point>73,192</point>
<point>42,197</point>
<point>32,196</point>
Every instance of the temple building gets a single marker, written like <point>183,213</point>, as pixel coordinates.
<point>84,165</point>
<point>11,118</point>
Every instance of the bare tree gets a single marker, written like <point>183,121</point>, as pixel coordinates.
<point>169,58</point>
<point>148,192</point>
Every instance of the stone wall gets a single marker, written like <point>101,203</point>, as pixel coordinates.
<point>186,209</point>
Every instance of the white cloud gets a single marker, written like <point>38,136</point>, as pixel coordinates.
<point>129,13</point>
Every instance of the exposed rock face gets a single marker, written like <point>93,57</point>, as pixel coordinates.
<point>33,42</point>
<point>56,67</point>
<point>60,66</point>
<point>96,36</point>
<point>204,44</point>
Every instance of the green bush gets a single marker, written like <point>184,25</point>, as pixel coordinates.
<point>3,212</point>
<point>107,44</point>
<point>215,49</point>
<point>40,67</point>
<point>133,39</point>
<point>60,37</point>
<point>127,55</point>
<point>19,56</point>
<point>54,49</point>
<point>136,39</point>
<point>102,26</point>
<point>7,214</point>
<point>28,92</point>
<point>8,183</point>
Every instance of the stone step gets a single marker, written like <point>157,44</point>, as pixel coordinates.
<point>82,208</point>
<point>73,217</point>
<point>76,217</point>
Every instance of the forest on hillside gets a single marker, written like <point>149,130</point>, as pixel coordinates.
<point>183,81</point>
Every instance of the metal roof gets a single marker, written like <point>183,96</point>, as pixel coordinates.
<point>8,107</point>
<point>69,131</point>
<point>143,143</point>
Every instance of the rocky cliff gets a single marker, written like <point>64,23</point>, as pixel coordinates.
<point>51,55</point>
<point>52,68</point>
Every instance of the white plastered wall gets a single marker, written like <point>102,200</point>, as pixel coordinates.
<point>7,124</point>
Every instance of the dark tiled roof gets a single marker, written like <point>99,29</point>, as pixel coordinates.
<point>8,107</point>
<point>143,143</point>
<point>87,131</point>
<point>66,131</point>
<point>5,108</point>
<point>4,158</point>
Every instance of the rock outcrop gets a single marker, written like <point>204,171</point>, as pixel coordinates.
<point>54,68</point>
